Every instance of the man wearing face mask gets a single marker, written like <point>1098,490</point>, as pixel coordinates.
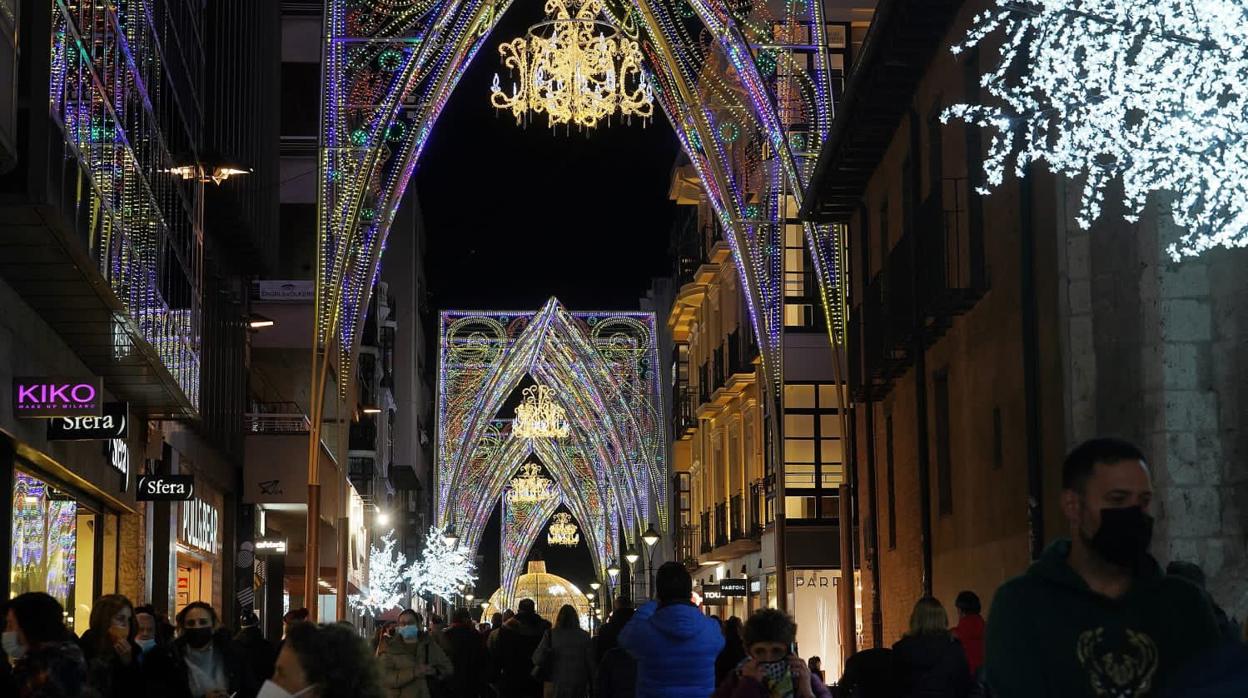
<point>1095,616</point>
<point>209,664</point>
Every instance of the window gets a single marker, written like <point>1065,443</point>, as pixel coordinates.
<point>813,452</point>
<point>799,309</point>
<point>944,465</point>
<point>890,482</point>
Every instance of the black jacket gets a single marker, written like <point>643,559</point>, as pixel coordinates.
<point>514,653</point>
<point>466,648</point>
<point>617,675</point>
<point>106,673</point>
<point>260,652</point>
<point>932,666</point>
<point>729,657</point>
<point>238,674</point>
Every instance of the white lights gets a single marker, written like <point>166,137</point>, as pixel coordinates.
<point>385,578</point>
<point>539,416</point>
<point>530,487</point>
<point>1147,94</point>
<point>444,568</point>
<point>383,518</point>
<point>563,532</point>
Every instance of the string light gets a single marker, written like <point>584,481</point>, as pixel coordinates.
<point>538,416</point>
<point>562,531</point>
<point>387,570</point>
<point>530,487</point>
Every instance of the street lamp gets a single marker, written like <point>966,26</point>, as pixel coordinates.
<point>595,585</point>
<point>631,555</point>
<point>383,519</point>
<point>613,570</point>
<point>651,536</point>
<point>469,597</point>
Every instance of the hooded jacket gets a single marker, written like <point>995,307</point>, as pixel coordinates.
<point>517,641</point>
<point>675,647</point>
<point>1049,634</point>
<point>932,666</point>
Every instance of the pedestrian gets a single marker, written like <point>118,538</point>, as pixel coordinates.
<point>323,661</point>
<point>156,656</point>
<point>568,652</point>
<point>609,632</point>
<point>616,671</point>
<point>261,653</point>
<point>869,673</point>
<point>209,664</point>
<point>1227,627</point>
<point>771,669</point>
<point>109,649</point>
<point>815,664</point>
<point>1095,615</point>
<point>516,644</point>
<point>503,619</point>
<point>294,615</point>
<point>930,662</point>
<point>970,629</point>
<point>46,660</point>
<point>411,660</point>
<point>674,644</point>
<point>467,652</point>
<point>437,628</point>
<point>733,652</point>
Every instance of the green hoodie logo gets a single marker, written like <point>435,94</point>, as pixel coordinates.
<point>1122,671</point>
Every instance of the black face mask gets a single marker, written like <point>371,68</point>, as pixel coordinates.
<point>198,637</point>
<point>1124,535</point>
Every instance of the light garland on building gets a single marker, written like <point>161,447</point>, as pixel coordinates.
<point>530,487</point>
<point>563,532</point>
<point>387,570</point>
<point>575,68</point>
<point>443,569</point>
<point>1142,93</point>
<point>538,416</point>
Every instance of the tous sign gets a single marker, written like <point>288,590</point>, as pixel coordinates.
<point>57,397</point>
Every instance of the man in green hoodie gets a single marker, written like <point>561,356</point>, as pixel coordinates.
<point>1095,616</point>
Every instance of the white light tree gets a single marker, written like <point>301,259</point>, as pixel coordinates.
<point>443,569</point>
<point>386,573</point>
<point>1151,94</point>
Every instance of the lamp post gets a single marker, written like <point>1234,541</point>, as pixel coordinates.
<point>651,537</point>
<point>631,556</point>
<point>613,571</point>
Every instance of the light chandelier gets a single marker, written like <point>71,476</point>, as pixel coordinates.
<point>539,416</point>
<point>575,68</point>
<point>563,532</point>
<point>530,487</point>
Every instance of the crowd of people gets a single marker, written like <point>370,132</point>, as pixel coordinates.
<point>1094,616</point>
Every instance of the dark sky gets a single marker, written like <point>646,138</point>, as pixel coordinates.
<point>516,214</point>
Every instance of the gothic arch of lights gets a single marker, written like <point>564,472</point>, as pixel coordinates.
<point>609,471</point>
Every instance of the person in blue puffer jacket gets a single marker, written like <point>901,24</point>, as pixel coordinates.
<point>675,645</point>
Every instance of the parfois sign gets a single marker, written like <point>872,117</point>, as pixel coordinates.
<point>58,397</point>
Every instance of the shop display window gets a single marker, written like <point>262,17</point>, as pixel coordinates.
<point>53,546</point>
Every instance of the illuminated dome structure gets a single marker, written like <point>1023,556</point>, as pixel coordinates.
<point>548,591</point>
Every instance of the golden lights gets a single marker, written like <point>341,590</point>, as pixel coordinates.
<point>530,487</point>
<point>575,68</point>
<point>539,416</point>
<point>563,532</point>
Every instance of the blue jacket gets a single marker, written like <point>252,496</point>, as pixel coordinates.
<point>675,648</point>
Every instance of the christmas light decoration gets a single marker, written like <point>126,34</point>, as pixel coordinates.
<point>574,68</point>
<point>538,416</point>
<point>1147,95</point>
<point>563,532</point>
<point>442,569</point>
<point>530,487</point>
<point>387,570</point>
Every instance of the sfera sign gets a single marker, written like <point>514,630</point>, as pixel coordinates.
<point>113,423</point>
<point>118,453</point>
<point>270,546</point>
<point>165,488</point>
<point>734,587</point>
<point>58,397</point>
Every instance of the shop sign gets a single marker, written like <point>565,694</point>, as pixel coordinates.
<point>296,291</point>
<point>734,587</point>
<point>712,595</point>
<point>199,525</point>
<point>812,579</point>
<point>270,546</point>
<point>58,397</point>
<point>118,453</point>
<point>165,488</point>
<point>114,423</point>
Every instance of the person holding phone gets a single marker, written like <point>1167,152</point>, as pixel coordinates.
<point>771,668</point>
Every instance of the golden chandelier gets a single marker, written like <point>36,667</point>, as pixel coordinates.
<point>563,532</point>
<point>530,487</point>
<point>539,416</point>
<point>575,68</point>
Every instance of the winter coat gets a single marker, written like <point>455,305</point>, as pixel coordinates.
<point>467,650</point>
<point>568,653</point>
<point>609,634</point>
<point>517,641</point>
<point>970,632</point>
<point>237,667</point>
<point>261,653</point>
<point>1049,634</point>
<point>729,658</point>
<point>869,673</point>
<point>617,675</point>
<point>675,647</point>
<point>52,670</point>
<point>932,666</point>
<point>399,661</point>
<point>106,672</point>
<point>162,671</point>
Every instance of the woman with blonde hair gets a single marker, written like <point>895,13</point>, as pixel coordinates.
<point>929,660</point>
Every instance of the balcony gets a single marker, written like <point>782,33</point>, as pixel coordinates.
<point>686,535</point>
<point>276,418</point>
<point>683,420</point>
<point>361,471</point>
<point>704,384</point>
<point>721,524</point>
<point>719,367</point>
<point>760,513</point>
<point>736,511</point>
<point>705,530</point>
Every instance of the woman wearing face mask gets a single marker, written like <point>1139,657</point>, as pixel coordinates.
<point>410,659</point>
<point>323,661</point>
<point>156,658</point>
<point>209,664</point>
<point>112,656</point>
<point>46,660</point>
<point>771,669</point>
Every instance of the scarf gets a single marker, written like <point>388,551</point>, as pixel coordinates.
<point>205,671</point>
<point>777,678</point>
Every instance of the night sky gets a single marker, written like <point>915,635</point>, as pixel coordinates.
<point>514,215</point>
<point>517,214</point>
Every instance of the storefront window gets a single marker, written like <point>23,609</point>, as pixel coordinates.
<point>53,546</point>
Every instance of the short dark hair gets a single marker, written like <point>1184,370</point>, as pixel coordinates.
<point>968,602</point>
<point>623,602</point>
<point>496,620</point>
<point>41,617</point>
<point>526,606</point>
<point>413,614</point>
<point>672,583</point>
<point>181,617</point>
<point>462,615</point>
<point>770,625</point>
<point>1080,462</point>
<point>294,615</point>
<point>249,619</point>
<point>334,657</point>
